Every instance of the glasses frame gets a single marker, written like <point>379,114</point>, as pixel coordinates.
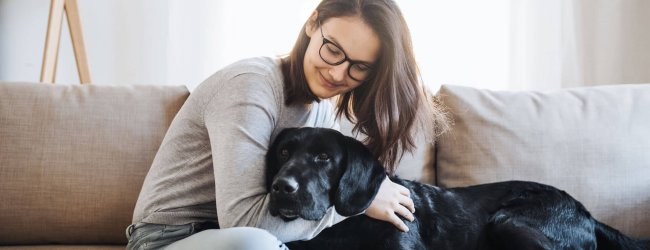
<point>345,57</point>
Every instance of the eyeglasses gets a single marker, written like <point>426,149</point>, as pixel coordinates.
<point>333,55</point>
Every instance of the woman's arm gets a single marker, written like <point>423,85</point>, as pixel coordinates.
<point>240,120</point>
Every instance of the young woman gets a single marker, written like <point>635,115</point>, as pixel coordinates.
<point>205,188</point>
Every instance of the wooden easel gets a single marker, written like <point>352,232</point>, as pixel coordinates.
<point>50,54</point>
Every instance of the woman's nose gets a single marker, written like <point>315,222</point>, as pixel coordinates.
<point>338,72</point>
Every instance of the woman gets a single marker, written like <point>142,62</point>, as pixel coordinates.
<point>206,189</point>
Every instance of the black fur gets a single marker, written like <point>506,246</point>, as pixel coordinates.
<point>311,169</point>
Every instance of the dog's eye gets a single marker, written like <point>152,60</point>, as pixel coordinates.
<point>323,157</point>
<point>284,152</point>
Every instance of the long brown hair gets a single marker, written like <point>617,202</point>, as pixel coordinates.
<point>387,106</point>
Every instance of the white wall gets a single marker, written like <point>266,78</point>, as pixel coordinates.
<point>570,43</point>
<point>125,41</point>
<point>183,42</point>
<point>149,41</point>
<point>496,44</point>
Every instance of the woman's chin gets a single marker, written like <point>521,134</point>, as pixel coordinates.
<point>323,93</point>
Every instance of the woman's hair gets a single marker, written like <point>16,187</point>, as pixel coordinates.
<point>392,101</point>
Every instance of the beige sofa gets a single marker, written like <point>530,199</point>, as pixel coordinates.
<point>73,157</point>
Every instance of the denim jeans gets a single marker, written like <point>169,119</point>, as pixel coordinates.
<point>199,236</point>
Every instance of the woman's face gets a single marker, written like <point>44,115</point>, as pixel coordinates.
<point>356,40</point>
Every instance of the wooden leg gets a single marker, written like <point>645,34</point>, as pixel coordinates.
<point>72,13</point>
<point>53,38</point>
<point>50,54</point>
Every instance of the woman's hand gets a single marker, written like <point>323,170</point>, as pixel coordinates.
<point>392,199</point>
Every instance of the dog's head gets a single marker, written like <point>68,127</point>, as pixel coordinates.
<point>310,169</point>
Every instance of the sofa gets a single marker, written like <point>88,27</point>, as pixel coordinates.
<point>73,157</point>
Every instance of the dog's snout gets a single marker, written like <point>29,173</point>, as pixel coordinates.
<point>285,185</point>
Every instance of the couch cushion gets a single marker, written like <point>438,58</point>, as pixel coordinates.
<point>593,142</point>
<point>73,158</point>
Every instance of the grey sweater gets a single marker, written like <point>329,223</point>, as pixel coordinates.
<point>210,165</point>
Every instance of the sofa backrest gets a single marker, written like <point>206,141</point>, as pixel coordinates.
<point>73,158</point>
<point>592,142</point>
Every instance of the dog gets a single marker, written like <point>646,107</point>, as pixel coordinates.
<point>309,170</point>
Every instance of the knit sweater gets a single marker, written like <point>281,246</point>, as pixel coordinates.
<point>210,165</point>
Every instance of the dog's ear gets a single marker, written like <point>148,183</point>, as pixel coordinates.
<point>272,162</point>
<point>360,181</point>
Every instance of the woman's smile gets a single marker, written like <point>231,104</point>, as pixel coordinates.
<point>327,83</point>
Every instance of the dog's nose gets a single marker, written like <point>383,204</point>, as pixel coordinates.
<point>286,185</point>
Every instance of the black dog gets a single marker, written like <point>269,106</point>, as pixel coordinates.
<point>311,169</point>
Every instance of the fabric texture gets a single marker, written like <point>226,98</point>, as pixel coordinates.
<point>234,238</point>
<point>72,157</point>
<point>212,157</point>
<point>591,142</point>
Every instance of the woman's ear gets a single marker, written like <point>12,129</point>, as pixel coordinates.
<point>312,24</point>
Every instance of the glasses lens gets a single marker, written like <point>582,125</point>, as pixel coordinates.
<point>359,71</point>
<point>331,54</point>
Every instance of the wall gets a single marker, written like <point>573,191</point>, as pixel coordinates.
<point>496,44</point>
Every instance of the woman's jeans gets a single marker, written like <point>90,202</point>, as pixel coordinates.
<point>199,236</point>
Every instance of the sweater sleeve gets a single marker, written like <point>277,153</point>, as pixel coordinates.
<point>240,119</point>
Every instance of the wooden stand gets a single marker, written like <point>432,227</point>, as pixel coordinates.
<point>50,54</point>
